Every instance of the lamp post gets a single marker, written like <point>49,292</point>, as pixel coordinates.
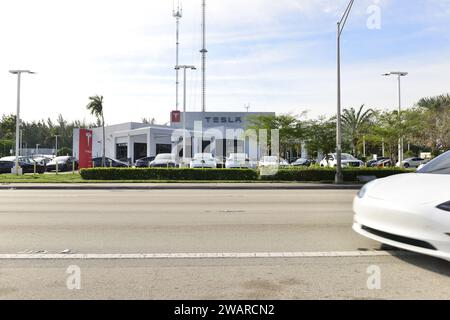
<point>56,144</point>
<point>37,148</point>
<point>340,27</point>
<point>184,67</point>
<point>399,76</point>
<point>19,74</point>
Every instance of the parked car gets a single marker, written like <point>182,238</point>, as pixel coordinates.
<point>412,162</point>
<point>221,161</point>
<point>164,160</point>
<point>347,160</point>
<point>271,161</point>
<point>384,163</point>
<point>27,165</point>
<point>42,159</point>
<point>237,160</point>
<point>203,160</point>
<point>65,163</point>
<point>302,162</point>
<point>408,211</point>
<point>373,162</point>
<point>97,162</point>
<point>144,162</point>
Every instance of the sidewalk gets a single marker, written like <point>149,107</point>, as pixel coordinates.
<point>179,186</point>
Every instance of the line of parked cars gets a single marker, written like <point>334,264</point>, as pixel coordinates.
<point>39,164</point>
<point>208,160</point>
<point>350,161</point>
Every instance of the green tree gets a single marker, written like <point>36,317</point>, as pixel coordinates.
<point>291,129</point>
<point>321,135</point>
<point>355,125</point>
<point>435,122</point>
<point>95,106</point>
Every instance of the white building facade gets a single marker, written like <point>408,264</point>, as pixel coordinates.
<point>220,133</point>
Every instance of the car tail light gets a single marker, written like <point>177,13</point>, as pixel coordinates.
<point>445,206</point>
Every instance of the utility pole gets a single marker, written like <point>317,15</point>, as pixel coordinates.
<point>203,52</point>
<point>56,145</point>
<point>340,27</point>
<point>19,74</point>
<point>399,75</point>
<point>184,107</point>
<point>178,14</point>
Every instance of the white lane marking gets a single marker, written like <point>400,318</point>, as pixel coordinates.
<point>130,256</point>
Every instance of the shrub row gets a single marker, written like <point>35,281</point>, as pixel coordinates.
<point>295,174</point>
<point>328,174</point>
<point>113,174</point>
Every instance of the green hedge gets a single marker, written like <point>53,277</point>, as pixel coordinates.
<point>168,174</point>
<point>313,174</point>
<point>328,174</point>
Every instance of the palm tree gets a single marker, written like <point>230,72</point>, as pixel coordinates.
<point>96,109</point>
<point>355,124</point>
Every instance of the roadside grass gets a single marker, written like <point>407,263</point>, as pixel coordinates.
<point>76,178</point>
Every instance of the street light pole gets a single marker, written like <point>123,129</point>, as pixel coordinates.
<point>340,27</point>
<point>399,76</point>
<point>184,67</point>
<point>19,74</point>
<point>56,145</point>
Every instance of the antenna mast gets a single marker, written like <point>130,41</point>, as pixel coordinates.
<point>203,52</point>
<point>177,14</point>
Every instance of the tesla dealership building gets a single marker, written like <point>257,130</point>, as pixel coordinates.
<point>132,141</point>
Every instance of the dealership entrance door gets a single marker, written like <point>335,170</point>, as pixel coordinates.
<point>140,151</point>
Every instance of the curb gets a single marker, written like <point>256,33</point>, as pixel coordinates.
<point>182,187</point>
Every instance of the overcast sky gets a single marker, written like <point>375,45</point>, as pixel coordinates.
<point>274,55</point>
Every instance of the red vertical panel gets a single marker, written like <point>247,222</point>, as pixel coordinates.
<point>85,151</point>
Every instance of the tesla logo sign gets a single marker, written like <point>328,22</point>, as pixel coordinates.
<point>85,151</point>
<point>223,119</point>
<point>176,116</point>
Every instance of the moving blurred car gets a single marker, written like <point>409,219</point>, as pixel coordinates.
<point>164,160</point>
<point>27,165</point>
<point>302,162</point>
<point>384,163</point>
<point>272,161</point>
<point>409,211</point>
<point>347,160</point>
<point>412,162</point>
<point>144,162</point>
<point>237,160</point>
<point>373,162</point>
<point>203,160</point>
<point>109,162</point>
<point>65,163</point>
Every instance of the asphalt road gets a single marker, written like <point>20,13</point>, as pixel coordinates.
<point>198,222</point>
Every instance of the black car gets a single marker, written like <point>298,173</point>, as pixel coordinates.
<point>65,163</point>
<point>144,162</point>
<point>97,162</point>
<point>27,165</point>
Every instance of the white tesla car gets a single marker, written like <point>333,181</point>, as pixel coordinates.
<point>203,160</point>
<point>409,211</point>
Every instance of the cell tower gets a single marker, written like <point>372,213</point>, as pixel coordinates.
<point>177,14</point>
<point>203,52</point>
